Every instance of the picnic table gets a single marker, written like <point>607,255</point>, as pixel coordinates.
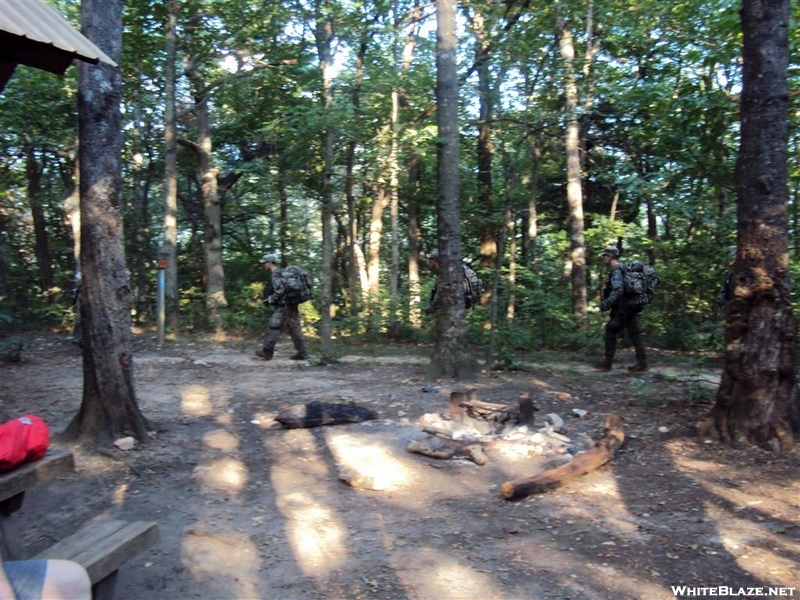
<point>101,547</point>
<point>14,483</point>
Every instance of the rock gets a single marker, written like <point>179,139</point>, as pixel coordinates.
<point>126,443</point>
<point>558,422</point>
<point>579,412</point>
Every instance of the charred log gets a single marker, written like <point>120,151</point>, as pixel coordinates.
<point>317,414</point>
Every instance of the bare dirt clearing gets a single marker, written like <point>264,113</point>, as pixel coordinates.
<point>247,509</point>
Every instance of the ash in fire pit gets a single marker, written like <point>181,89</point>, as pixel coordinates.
<point>472,425</point>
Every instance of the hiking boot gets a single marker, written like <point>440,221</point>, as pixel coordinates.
<point>605,365</point>
<point>639,367</point>
<point>265,355</point>
<point>299,356</point>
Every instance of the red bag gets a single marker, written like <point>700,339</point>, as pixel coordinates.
<point>22,440</point>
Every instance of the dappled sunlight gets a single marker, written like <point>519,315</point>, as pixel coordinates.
<point>606,508</point>
<point>195,400</point>
<point>227,560</point>
<point>744,518</point>
<point>691,464</point>
<point>119,494</point>
<point>226,475</point>
<point>432,573</point>
<point>743,539</point>
<point>220,440</point>
<point>593,576</point>
<point>316,534</point>
<point>263,420</point>
<point>540,384</point>
<point>370,465</point>
<point>587,575</point>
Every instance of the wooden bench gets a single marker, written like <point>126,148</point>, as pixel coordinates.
<point>102,547</point>
<point>14,483</point>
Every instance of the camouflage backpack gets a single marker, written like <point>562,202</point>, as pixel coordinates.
<point>297,285</point>
<point>473,287</point>
<point>641,281</point>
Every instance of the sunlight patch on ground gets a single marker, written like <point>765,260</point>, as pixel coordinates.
<point>367,465</point>
<point>221,440</point>
<point>315,533</point>
<point>220,559</point>
<point>317,536</point>
<point>119,494</point>
<point>602,504</point>
<point>195,401</point>
<point>591,576</point>
<point>432,573</point>
<point>227,475</point>
<point>747,542</point>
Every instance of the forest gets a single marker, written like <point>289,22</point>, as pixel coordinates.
<point>309,127</point>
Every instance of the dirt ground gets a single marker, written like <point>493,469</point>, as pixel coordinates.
<point>249,510</point>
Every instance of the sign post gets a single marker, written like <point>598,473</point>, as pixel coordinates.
<point>163,263</point>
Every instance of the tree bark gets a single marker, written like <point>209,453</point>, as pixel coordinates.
<point>41,242</point>
<point>109,407</point>
<point>324,39</point>
<point>171,172</point>
<point>753,400</point>
<point>450,358</point>
<point>485,148</point>
<point>574,180</point>
<point>212,240</point>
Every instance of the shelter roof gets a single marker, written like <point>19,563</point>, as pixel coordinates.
<point>33,34</point>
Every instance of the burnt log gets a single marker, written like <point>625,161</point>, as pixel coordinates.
<point>465,405</point>
<point>598,455</point>
<point>444,449</point>
<point>317,414</point>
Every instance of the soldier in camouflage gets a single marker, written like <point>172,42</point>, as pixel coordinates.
<point>622,316</point>
<point>286,315</point>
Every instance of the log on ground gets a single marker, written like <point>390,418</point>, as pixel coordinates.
<point>598,455</point>
<point>316,414</point>
<point>443,449</point>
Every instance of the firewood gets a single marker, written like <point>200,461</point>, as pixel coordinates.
<point>457,400</point>
<point>526,410</point>
<point>446,449</point>
<point>598,455</point>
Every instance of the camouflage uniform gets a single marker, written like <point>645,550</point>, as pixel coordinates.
<point>286,316</point>
<point>623,316</point>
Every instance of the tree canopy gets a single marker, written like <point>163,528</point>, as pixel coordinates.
<point>293,149</point>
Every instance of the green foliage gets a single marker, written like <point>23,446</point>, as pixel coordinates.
<point>661,138</point>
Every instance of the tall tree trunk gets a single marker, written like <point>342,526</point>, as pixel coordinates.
<point>394,207</point>
<point>283,209</point>
<point>324,39</point>
<point>170,238</point>
<point>41,245</point>
<point>380,199</point>
<point>352,217</point>
<point>212,240</point>
<point>574,188</point>
<point>414,233</point>
<point>484,149</point>
<point>72,208</point>
<point>450,355</point>
<point>109,407</point>
<point>530,230</point>
<point>140,213</point>
<point>414,245</point>
<point>754,396</point>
